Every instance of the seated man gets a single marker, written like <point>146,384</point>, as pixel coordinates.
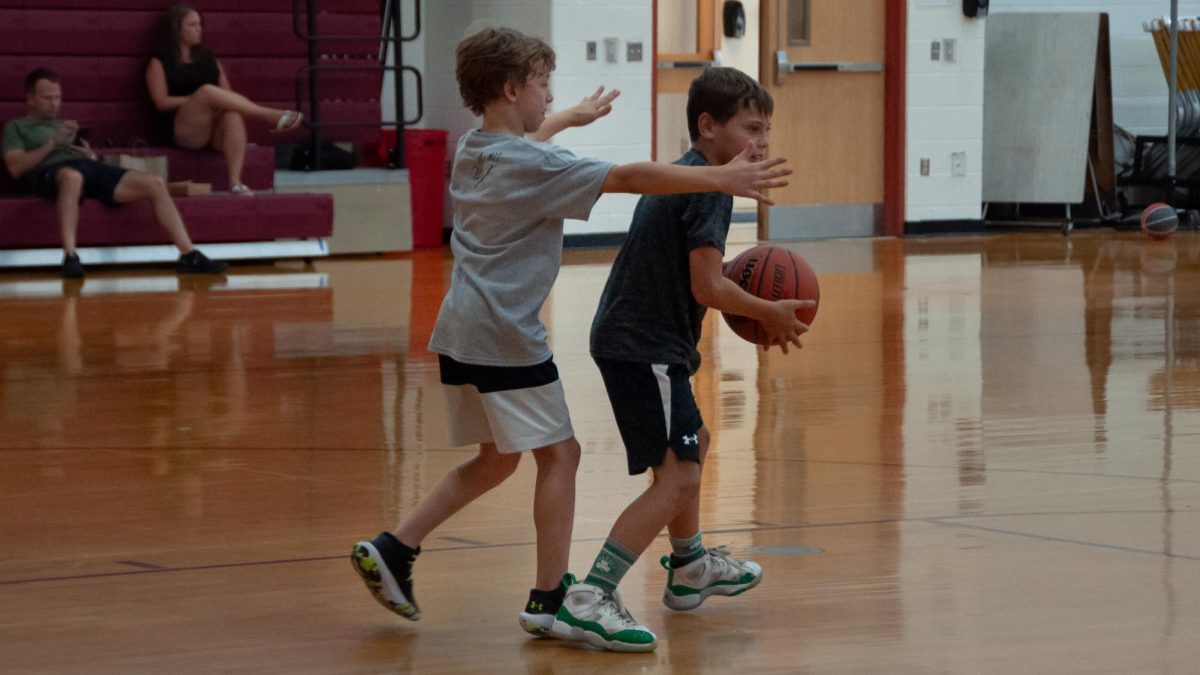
<point>42,151</point>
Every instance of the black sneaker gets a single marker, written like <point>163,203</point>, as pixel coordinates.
<point>385,566</point>
<point>72,268</point>
<point>195,262</point>
<point>538,616</point>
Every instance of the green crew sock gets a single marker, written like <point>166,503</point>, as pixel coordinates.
<point>611,565</point>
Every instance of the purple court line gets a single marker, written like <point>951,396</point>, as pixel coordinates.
<point>143,565</point>
<point>935,520</point>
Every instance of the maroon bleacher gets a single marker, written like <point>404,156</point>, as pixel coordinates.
<point>31,223</point>
<point>100,49</point>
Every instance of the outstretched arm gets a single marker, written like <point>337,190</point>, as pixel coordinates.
<point>712,289</point>
<point>590,109</point>
<point>740,177</point>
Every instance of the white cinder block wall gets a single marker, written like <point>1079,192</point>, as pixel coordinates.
<point>945,112</point>
<point>623,136</point>
<point>945,100</point>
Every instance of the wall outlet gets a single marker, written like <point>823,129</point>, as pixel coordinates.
<point>591,50</point>
<point>935,51</point>
<point>610,49</point>
<point>949,49</point>
<point>924,166</point>
<point>958,164</point>
<point>633,51</point>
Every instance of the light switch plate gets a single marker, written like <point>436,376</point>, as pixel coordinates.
<point>591,50</point>
<point>633,51</point>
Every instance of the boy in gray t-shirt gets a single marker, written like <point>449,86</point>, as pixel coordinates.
<point>511,193</point>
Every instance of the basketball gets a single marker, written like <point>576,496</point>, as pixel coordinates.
<point>1159,220</point>
<point>771,273</point>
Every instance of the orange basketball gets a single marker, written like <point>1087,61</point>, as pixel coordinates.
<point>771,273</point>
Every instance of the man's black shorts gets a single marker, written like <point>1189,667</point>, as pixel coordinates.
<point>655,410</point>
<point>99,180</point>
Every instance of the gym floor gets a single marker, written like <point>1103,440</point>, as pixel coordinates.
<point>984,460</point>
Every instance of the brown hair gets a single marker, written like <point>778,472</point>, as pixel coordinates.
<point>491,58</point>
<point>721,92</point>
<point>36,74</point>
<point>166,37</point>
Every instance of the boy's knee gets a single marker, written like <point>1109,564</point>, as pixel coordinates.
<point>564,454</point>
<point>681,477</point>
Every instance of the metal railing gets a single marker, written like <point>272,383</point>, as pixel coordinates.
<point>310,74</point>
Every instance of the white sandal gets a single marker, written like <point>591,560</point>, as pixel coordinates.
<point>241,189</point>
<point>289,120</point>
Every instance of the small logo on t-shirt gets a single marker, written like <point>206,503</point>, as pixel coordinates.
<point>483,165</point>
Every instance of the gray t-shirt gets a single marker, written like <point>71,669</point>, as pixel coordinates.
<point>647,313</point>
<point>510,198</point>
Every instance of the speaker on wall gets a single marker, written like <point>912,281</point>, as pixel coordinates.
<point>734,19</point>
<point>975,8</point>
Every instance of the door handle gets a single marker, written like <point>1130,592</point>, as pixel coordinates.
<point>783,66</point>
<point>672,65</point>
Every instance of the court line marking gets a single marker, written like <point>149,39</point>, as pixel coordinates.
<point>936,520</point>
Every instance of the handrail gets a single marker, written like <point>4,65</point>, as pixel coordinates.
<point>391,33</point>
<point>349,67</point>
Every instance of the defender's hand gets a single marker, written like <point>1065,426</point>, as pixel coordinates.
<point>748,175</point>
<point>593,107</point>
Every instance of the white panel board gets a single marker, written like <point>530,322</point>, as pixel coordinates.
<point>1039,77</point>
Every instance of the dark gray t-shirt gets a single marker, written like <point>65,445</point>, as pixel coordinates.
<point>510,197</point>
<point>647,313</point>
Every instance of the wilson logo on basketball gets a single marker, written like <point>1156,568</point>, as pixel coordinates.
<point>747,273</point>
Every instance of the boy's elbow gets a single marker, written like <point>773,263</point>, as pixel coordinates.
<point>615,181</point>
<point>703,292</point>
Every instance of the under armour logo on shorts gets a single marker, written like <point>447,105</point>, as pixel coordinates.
<point>694,439</point>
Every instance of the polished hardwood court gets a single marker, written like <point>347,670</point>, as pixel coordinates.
<point>986,459</point>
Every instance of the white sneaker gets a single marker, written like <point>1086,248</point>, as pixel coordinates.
<point>715,573</point>
<point>597,616</point>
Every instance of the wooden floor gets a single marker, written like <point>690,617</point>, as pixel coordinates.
<point>986,459</point>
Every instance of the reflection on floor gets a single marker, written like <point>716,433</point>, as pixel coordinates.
<point>983,460</point>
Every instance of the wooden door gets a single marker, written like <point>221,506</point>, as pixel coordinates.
<point>685,44</point>
<point>823,62</point>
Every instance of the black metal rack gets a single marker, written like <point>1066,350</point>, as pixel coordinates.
<point>310,74</point>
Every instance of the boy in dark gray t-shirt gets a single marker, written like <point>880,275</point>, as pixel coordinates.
<point>511,193</point>
<point>644,340</point>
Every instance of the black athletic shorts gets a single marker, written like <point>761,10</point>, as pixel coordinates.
<point>655,410</point>
<point>99,180</point>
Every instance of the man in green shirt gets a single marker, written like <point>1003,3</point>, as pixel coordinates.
<point>45,153</point>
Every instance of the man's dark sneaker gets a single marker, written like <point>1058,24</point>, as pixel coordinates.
<point>538,616</point>
<point>195,262</point>
<point>72,268</point>
<point>385,566</point>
